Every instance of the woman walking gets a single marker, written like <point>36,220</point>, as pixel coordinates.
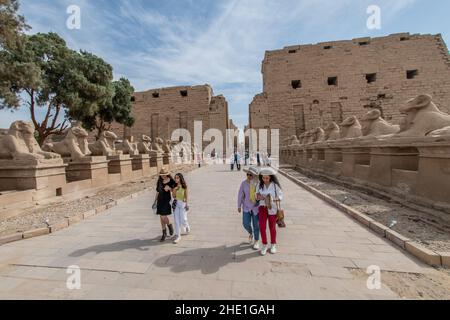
<point>269,193</point>
<point>180,195</point>
<point>164,188</point>
<point>247,205</point>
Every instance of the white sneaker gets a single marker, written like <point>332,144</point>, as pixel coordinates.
<point>256,246</point>
<point>250,239</point>
<point>273,249</point>
<point>177,239</point>
<point>264,250</point>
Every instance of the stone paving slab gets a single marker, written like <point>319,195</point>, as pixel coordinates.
<point>121,257</point>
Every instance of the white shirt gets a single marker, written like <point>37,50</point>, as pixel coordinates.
<point>275,192</point>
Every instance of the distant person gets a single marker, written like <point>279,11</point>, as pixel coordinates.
<point>237,160</point>
<point>247,205</point>
<point>269,193</point>
<point>258,159</point>
<point>163,198</point>
<point>265,159</point>
<point>199,158</point>
<point>180,205</point>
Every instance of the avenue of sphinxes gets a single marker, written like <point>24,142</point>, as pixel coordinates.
<point>345,114</point>
<point>72,164</point>
<point>410,159</point>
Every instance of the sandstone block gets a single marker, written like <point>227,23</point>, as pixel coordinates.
<point>36,233</point>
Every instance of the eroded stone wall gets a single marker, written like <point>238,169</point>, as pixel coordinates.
<point>158,112</point>
<point>309,86</point>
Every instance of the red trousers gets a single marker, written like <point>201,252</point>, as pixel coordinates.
<point>263,217</point>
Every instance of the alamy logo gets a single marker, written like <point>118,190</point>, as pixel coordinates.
<point>74,20</point>
<point>74,280</point>
<point>374,20</point>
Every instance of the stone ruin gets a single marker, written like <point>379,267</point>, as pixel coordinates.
<point>410,160</point>
<point>74,145</point>
<point>25,166</point>
<point>373,125</point>
<point>144,145</point>
<point>351,128</point>
<point>19,144</point>
<point>128,147</point>
<point>105,146</point>
<point>29,173</point>
<point>332,132</point>
<point>422,118</point>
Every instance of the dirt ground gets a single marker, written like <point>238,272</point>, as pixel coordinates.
<point>414,286</point>
<point>417,225</point>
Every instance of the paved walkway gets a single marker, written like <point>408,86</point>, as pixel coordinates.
<point>121,258</point>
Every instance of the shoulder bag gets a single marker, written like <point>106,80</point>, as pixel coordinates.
<point>280,211</point>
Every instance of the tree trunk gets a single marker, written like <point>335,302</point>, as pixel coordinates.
<point>43,131</point>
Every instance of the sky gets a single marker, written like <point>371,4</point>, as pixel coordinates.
<point>220,42</point>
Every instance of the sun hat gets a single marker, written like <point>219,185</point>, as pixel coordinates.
<point>253,170</point>
<point>164,172</point>
<point>268,172</point>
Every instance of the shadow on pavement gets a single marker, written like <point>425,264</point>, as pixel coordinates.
<point>138,244</point>
<point>207,260</point>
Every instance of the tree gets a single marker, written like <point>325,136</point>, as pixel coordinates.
<point>13,74</point>
<point>72,85</point>
<point>49,53</point>
<point>118,109</point>
<point>68,85</point>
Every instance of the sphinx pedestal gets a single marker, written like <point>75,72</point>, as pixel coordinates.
<point>356,163</point>
<point>156,160</point>
<point>386,162</point>
<point>141,165</point>
<point>433,180</point>
<point>46,177</point>
<point>120,166</point>
<point>168,161</point>
<point>333,161</point>
<point>89,168</point>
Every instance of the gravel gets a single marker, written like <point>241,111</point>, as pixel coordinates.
<point>417,225</point>
<point>415,286</point>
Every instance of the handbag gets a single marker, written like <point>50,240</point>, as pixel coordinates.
<point>280,212</point>
<point>268,201</point>
<point>174,204</point>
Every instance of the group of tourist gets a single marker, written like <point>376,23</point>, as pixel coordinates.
<point>172,197</point>
<point>259,199</point>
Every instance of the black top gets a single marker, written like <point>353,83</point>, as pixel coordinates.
<point>164,197</point>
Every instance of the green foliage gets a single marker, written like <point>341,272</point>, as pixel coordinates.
<point>89,85</point>
<point>117,109</point>
<point>13,74</point>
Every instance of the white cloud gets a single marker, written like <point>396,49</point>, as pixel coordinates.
<point>225,49</point>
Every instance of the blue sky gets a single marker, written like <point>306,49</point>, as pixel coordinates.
<point>220,42</point>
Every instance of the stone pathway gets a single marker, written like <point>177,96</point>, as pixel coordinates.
<point>120,255</point>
